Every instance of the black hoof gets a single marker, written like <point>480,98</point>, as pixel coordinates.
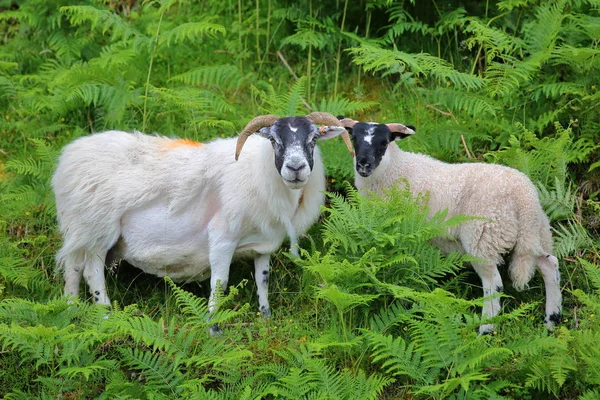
<point>265,312</point>
<point>215,330</point>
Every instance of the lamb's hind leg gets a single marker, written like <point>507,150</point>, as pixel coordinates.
<point>94,276</point>
<point>492,286</point>
<point>548,267</point>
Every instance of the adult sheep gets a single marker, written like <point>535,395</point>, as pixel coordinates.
<point>183,209</point>
<point>506,198</point>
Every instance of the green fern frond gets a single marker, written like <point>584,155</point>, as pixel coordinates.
<point>389,317</point>
<point>17,272</point>
<point>28,166</point>
<point>470,102</point>
<point>580,59</point>
<point>557,90</point>
<point>104,19</point>
<point>36,343</point>
<point>478,357</point>
<point>191,31</point>
<point>343,300</point>
<point>335,384</point>
<point>509,5</point>
<point>398,357</point>
<point>593,273</point>
<point>195,308</point>
<point>461,383</point>
<point>67,48</point>
<point>7,88</point>
<point>295,385</point>
<point>593,394</point>
<point>145,330</point>
<point>226,77</point>
<point>403,23</point>
<point>375,59</point>
<point>286,104</point>
<point>506,77</point>
<point>214,125</point>
<point>306,37</point>
<point>558,204</point>
<point>570,237</point>
<point>87,371</point>
<point>371,387</point>
<point>160,373</point>
<point>342,106</point>
<point>542,32</point>
<point>495,41</point>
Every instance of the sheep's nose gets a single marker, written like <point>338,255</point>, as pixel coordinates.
<point>364,163</point>
<point>297,168</point>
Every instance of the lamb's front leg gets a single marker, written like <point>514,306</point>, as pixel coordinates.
<point>261,275</point>
<point>220,255</point>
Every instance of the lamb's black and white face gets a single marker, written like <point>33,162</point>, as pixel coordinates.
<point>293,140</point>
<point>371,141</point>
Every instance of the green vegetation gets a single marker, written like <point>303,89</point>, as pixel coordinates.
<point>377,315</point>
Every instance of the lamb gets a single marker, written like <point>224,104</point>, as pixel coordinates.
<point>506,198</point>
<point>184,209</point>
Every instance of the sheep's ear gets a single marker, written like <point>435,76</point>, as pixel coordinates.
<point>399,131</point>
<point>264,132</point>
<point>328,132</point>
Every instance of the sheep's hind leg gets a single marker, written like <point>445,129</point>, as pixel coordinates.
<point>94,276</point>
<point>492,286</point>
<point>261,275</point>
<point>73,271</point>
<point>548,267</point>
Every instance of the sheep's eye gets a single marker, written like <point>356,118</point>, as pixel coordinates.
<point>273,141</point>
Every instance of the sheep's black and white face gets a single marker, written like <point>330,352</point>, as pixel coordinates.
<point>370,143</point>
<point>293,140</point>
<point>371,140</point>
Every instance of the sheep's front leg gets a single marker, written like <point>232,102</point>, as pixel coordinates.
<point>220,255</point>
<point>261,275</point>
<point>492,285</point>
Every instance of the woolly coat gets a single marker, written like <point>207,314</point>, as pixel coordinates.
<point>157,201</point>
<point>505,197</point>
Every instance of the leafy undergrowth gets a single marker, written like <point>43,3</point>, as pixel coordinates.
<point>373,316</point>
<point>372,309</point>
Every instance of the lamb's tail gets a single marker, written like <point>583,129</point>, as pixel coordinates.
<point>522,268</point>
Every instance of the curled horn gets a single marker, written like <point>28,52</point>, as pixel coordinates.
<point>258,122</point>
<point>330,119</point>
<point>399,128</point>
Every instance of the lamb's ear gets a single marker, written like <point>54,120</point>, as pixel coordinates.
<point>399,131</point>
<point>328,132</point>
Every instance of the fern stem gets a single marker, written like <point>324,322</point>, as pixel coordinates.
<point>145,114</point>
<point>367,31</point>
<point>256,33</point>
<point>309,62</point>
<point>240,31</point>
<point>339,51</point>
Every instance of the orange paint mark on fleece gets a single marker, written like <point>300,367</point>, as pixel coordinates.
<point>173,144</point>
